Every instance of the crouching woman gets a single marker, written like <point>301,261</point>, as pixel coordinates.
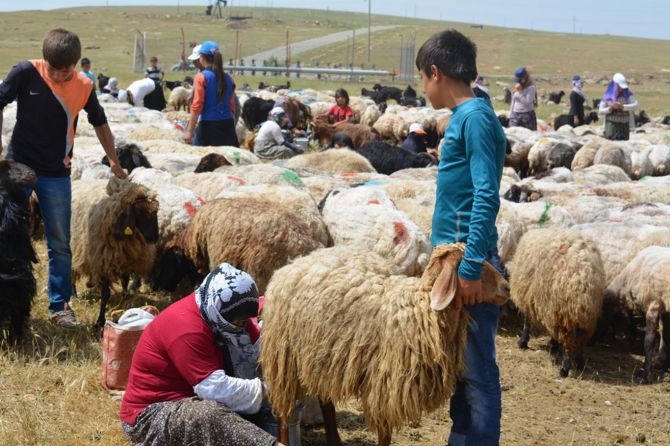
<point>193,376</point>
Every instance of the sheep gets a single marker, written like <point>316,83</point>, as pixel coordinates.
<point>518,158</point>
<point>394,93</point>
<point>556,97</point>
<point>377,96</point>
<point>130,156</point>
<point>360,134</point>
<point>372,322</point>
<point>613,155</point>
<point>641,119</point>
<point>210,162</point>
<point>17,282</point>
<point>563,119</point>
<point>331,161</point>
<point>557,281</point>
<point>660,159</point>
<point>386,158</point>
<point>253,233</point>
<point>114,231</point>
<point>561,155</point>
<point>644,287</point>
<point>180,98</point>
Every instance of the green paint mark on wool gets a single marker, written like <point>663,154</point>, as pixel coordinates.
<point>236,157</point>
<point>290,177</point>
<point>545,214</point>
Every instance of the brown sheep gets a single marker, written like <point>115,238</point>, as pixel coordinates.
<point>360,134</point>
<point>114,232</point>
<point>342,322</point>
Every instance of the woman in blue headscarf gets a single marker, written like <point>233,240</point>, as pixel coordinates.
<point>618,105</point>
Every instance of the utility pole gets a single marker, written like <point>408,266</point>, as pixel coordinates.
<point>369,26</point>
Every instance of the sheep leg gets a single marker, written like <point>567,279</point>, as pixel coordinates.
<point>104,298</point>
<point>383,438</point>
<point>663,357</point>
<point>124,284</point>
<point>525,335</point>
<point>566,362</point>
<point>330,423</point>
<point>135,283</point>
<point>651,338</point>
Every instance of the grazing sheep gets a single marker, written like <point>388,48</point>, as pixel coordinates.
<point>252,233</point>
<point>563,119</point>
<point>557,282</point>
<point>371,324</point>
<point>386,158</point>
<point>114,231</point>
<point>644,287</point>
<point>17,282</point>
<point>394,93</point>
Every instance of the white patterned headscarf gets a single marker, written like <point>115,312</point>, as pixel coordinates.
<point>227,294</point>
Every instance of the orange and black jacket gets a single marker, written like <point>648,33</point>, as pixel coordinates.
<point>46,116</point>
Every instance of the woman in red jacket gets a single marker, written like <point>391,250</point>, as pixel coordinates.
<point>193,377</point>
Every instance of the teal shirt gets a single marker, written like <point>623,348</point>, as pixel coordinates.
<point>468,181</point>
<point>90,75</point>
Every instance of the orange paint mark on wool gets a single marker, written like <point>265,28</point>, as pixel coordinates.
<point>238,180</point>
<point>401,234</point>
<point>373,202</point>
<point>190,209</point>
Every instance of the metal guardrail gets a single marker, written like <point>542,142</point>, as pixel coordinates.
<point>303,70</point>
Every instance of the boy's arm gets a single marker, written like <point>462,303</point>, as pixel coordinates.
<point>481,152</point>
<point>104,134</point>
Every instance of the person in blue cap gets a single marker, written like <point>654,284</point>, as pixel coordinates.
<point>213,107</point>
<point>524,101</point>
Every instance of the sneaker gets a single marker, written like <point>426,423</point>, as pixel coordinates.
<point>65,318</point>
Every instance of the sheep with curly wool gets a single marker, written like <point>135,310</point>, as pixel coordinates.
<point>557,282</point>
<point>331,161</point>
<point>643,286</point>
<point>254,234</point>
<point>614,155</point>
<point>373,322</point>
<point>114,233</point>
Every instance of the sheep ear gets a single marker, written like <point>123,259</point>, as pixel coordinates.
<point>124,226</point>
<point>444,288</point>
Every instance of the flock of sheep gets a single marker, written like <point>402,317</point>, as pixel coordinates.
<point>341,251</point>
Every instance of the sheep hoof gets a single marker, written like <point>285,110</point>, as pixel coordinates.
<point>563,372</point>
<point>523,345</point>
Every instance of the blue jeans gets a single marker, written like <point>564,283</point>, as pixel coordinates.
<point>475,407</point>
<point>55,197</point>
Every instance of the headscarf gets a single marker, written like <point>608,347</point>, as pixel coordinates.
<point>577,85</point>
<point>611,94</point>
<point>226,295</point>
<point>479,82</point>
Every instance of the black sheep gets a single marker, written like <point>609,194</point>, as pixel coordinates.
<point>102,82</point>
<point>666,120</point>
<point>130,156</point>
<point>642,118</point>
<point>377,96</point>
<point>17,282</point>
<point>255,111</point>
<point>386,158</point>
<point>394,93</point>
<point>556,97</point>
<point>563,119</point>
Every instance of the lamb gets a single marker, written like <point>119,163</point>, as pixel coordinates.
<point>17,282</point>
<point>360,339</point>
<point>557,281</point>
<point>130,156</point>
<point>360,134</point>
<point>114,230</point>
<point>180,98</point>
<point>386,158</point>
<point>644,287</point>
<point>255,234</point>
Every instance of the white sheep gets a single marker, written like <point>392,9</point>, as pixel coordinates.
<point>180,97</point>
<point>557,282</point>
<point>643,286</point>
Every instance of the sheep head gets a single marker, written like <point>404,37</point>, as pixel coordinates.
<point>139,212</point>
<point>441,278</point>
<point>16,173</point>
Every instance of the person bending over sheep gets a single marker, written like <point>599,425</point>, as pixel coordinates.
<point>471,162</point>
<point>51,93</point>
<point>193,375</point>
<point>271,142</point>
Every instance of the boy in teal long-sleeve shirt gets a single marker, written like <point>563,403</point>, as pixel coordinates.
<point>466,206</point>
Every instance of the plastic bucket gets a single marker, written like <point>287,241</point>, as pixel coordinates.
<point>271,426</point>
<point>301,142</point>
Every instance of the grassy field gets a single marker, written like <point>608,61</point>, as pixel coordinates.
<point>107,35</point>
<point>49,385</point>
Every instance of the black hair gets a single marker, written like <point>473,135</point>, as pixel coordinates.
<point>341,138</point>
<point>452,53</point>
<point>61,48</point>
<point>85,61</point>
<point>343,93</point>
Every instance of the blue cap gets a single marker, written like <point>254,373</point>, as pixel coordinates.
<point>209,47</point>
<point>519,74</point>
<point>576,78</point>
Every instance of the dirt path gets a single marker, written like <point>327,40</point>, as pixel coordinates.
<point>307,45</point>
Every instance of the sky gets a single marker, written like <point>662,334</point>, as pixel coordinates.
<point>644,18</point>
